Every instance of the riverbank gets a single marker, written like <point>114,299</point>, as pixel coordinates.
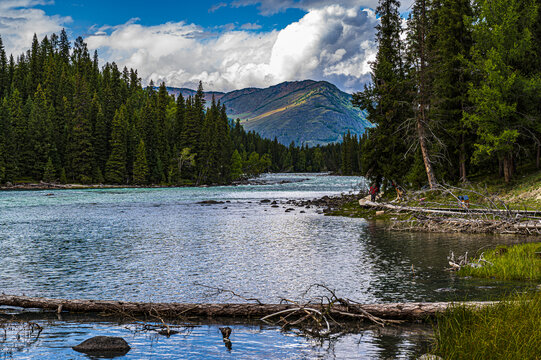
<point>479,207</point>
<point>57,186</point>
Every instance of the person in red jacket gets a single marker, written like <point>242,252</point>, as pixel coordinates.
<point>373,192</point>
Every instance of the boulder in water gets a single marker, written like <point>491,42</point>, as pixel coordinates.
<point>103,346</point>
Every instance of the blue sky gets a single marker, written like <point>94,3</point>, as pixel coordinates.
<point>209,14</point>
<point>227,44</point>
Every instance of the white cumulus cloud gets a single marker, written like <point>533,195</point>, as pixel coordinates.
<point>269,7</point>
<point>333,43</point>
<point>19,20</point>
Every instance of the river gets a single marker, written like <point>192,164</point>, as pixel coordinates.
<point>158,244</point>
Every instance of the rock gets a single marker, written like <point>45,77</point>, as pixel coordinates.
<point>429,357</point>
<point>290,209</point>
<point>302,212</point>
<point>274,202</point>
<point>265,201</point>
<point>103,346</point>
<point>275,206</point>
<point>210,202</point>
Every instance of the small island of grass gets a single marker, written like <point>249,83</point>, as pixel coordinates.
<point>516,262</point>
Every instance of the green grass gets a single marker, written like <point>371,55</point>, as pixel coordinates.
<point>516,262</point>
<point>508,330</point>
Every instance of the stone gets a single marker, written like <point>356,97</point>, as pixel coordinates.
<point>210,202</point>
<point>265,201</point>
<point>103,346</point>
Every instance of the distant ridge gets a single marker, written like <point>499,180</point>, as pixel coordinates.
<point>305,112</point>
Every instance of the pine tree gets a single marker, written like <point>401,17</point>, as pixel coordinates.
<point>236,165</point>
<point>503,42</point>
<point>8,143</point>
<point>4,77</point>
<point>80,149</point>
<point>450,52</point>
<point>100,134</point>
<point>179,120</point>
<point>49,173</point>
<point>385,100</point>
<point>223,138</point>
<point>140,167</point>
<point>115,169</point>
<point>40,135</point>
<point>418,54</point>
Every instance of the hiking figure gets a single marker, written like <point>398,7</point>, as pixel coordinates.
<point>373,192</point>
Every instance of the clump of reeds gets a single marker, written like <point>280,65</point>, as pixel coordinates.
<point>508,330</point>
<point>516,262</point>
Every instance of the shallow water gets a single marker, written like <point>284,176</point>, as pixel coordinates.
<point>156,244</point>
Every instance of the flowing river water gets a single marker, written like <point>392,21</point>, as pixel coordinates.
<point>158,244</point>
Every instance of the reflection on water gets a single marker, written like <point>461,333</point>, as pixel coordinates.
<point>249,341</point>
<point>154,244</point>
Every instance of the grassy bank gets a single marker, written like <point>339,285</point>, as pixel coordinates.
<point>516,262</point>
<point>508,330</point>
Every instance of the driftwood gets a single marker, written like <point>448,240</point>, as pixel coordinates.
<point>467,220</point>
<point>396,311</point>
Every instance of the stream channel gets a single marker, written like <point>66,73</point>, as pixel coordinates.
<point>142,244</point>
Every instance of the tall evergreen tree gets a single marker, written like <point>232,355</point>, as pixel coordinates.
<point>80,149</point>
<point>418,50</point>
<point>140,167</point>
<point>503,41</point>
<point>4,76</point>
<point>450,52</point>
<point>39,135</point>
<point>115,169</point>
<point>385,101</point>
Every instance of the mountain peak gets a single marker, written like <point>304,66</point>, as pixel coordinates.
<point>306,112</point>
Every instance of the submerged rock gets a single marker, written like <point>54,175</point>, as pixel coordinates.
<point>210,202</point>
<point>103,346</point>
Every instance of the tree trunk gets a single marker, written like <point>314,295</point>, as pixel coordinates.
<point>462,161</point>
<point>507,168</point>
<point>421,132</point>
<point>402,311</point>
<point>422,118</point>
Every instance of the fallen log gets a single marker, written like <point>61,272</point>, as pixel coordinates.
<point>396,311</point>
<point>448,211</point>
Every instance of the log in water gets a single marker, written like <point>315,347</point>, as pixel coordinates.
<point>397,311</point>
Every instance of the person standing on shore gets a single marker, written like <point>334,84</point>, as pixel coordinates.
<point>373,192</point>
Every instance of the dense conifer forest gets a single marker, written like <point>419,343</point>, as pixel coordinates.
<point>454,93</point>
<point>64,119</point>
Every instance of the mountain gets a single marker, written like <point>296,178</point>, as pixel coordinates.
<point>306,112</point>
